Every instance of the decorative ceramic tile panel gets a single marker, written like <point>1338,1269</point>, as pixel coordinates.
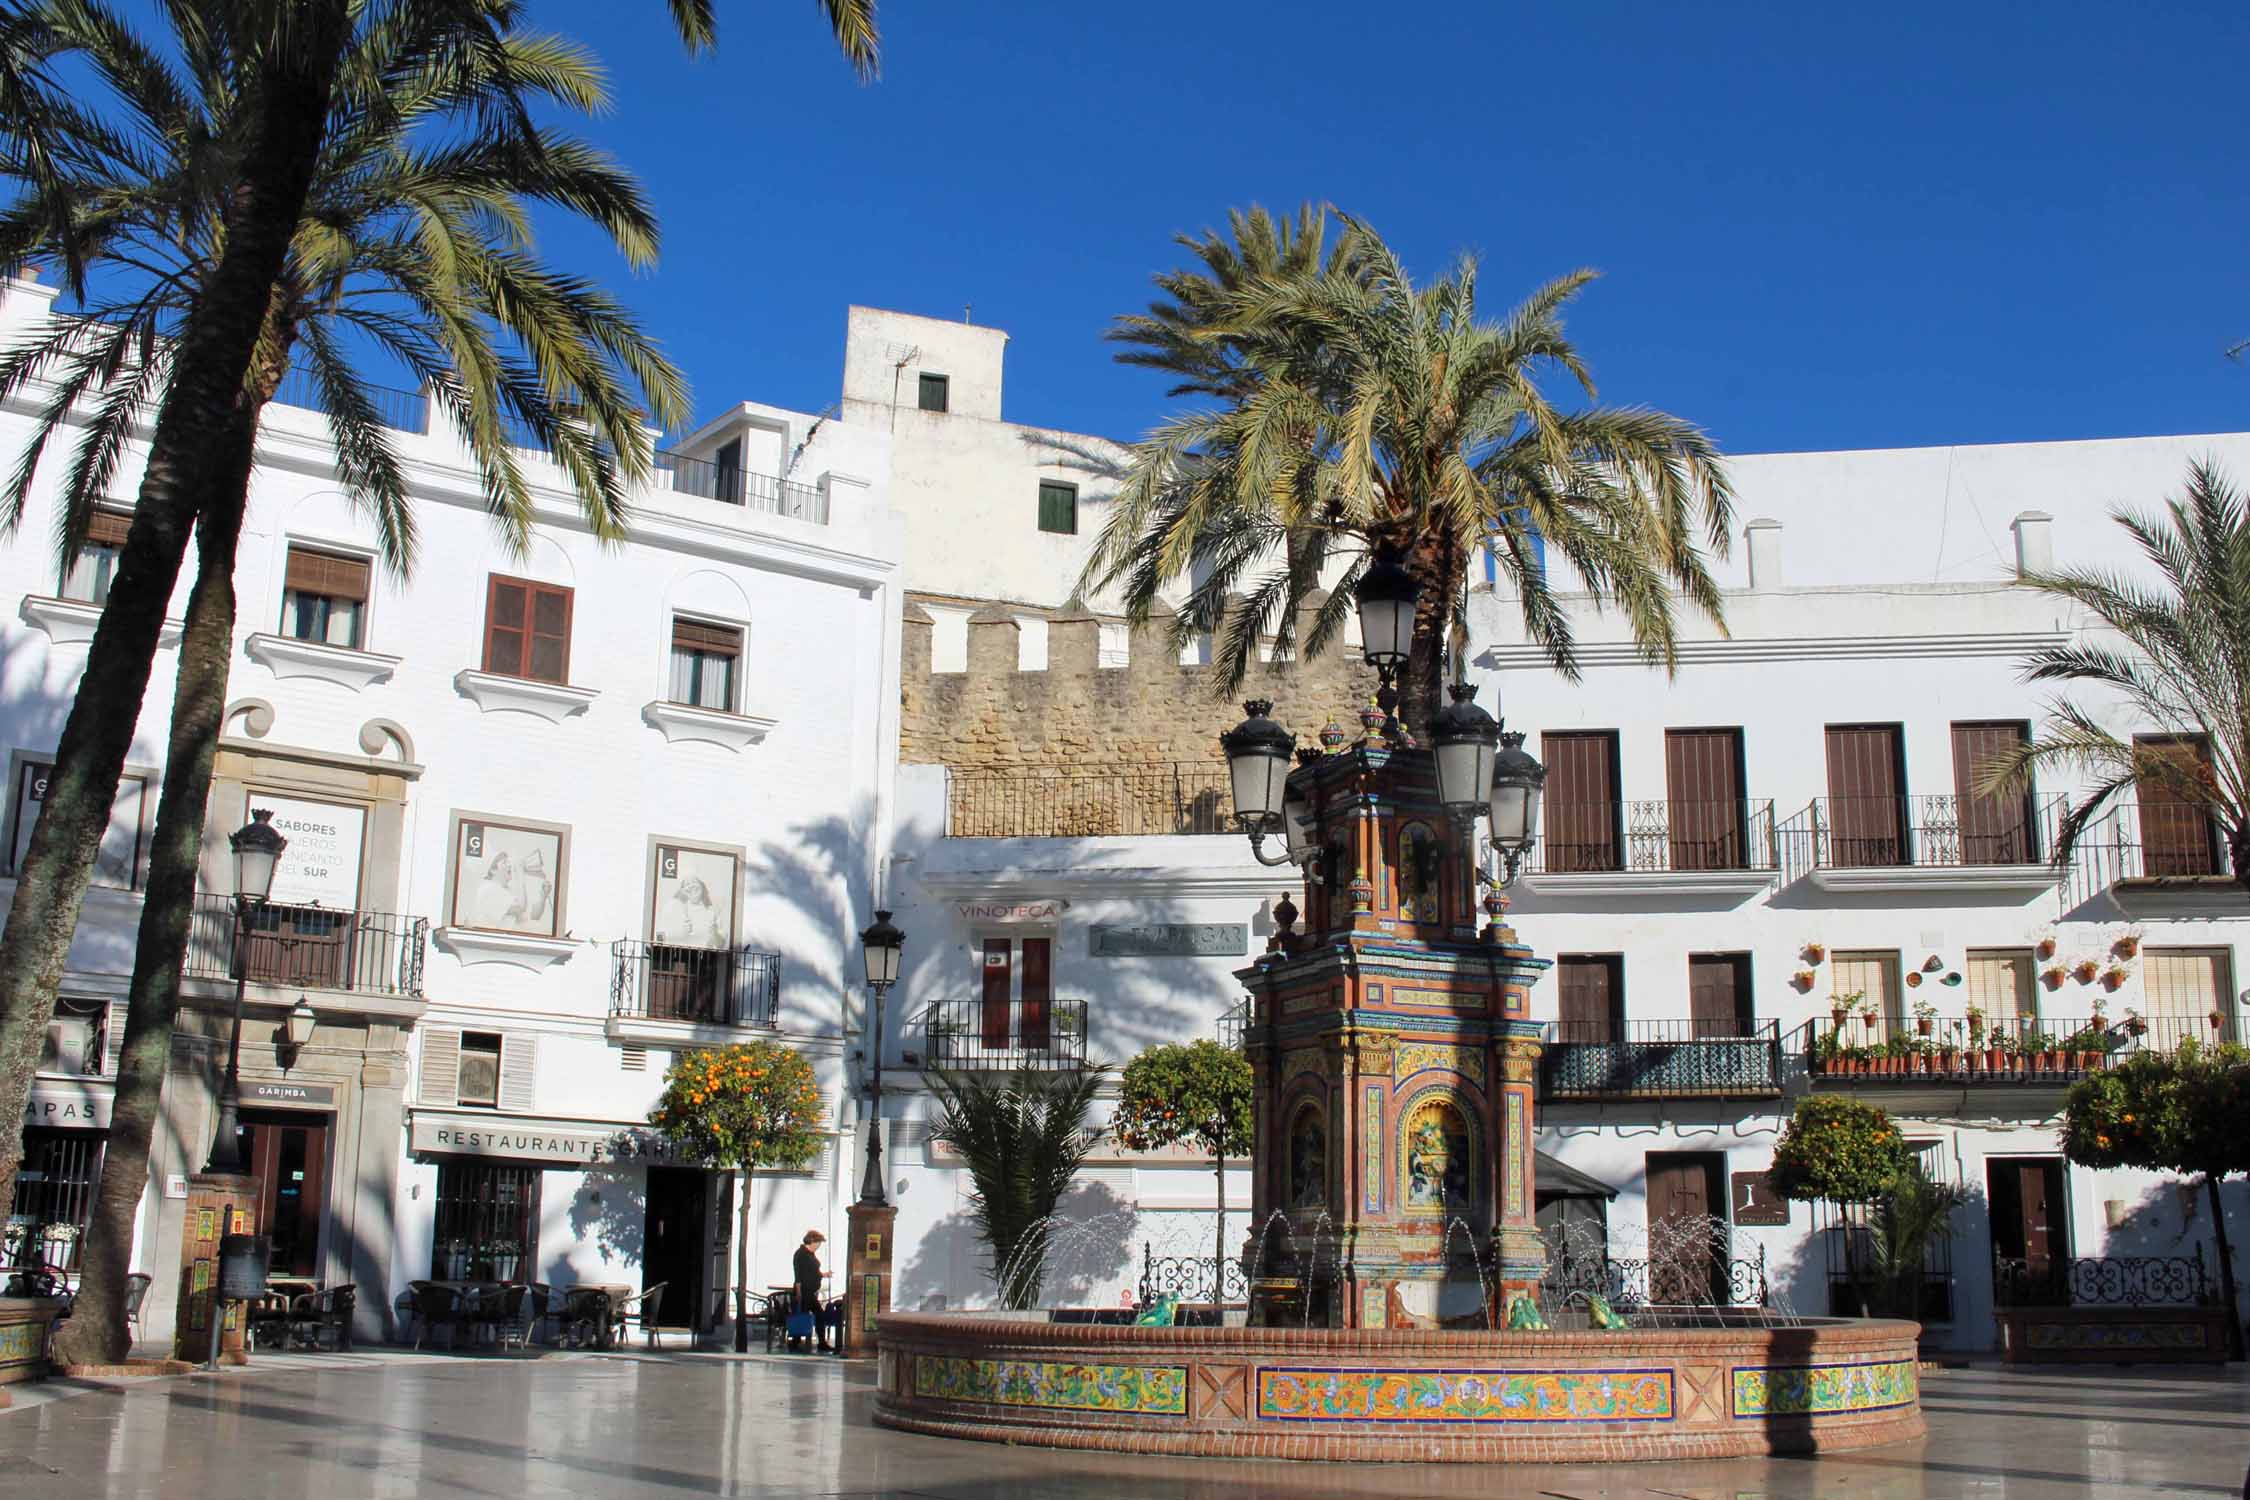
<point>1296,1064</point>
<point>1374,1304</point>
<point>1822,1390</point>
<point>1371,1150</point>
<point>1129,1390</point>
<point>1289,1394</point>
<point>1415,1057</point>
<point>1515,1152</point>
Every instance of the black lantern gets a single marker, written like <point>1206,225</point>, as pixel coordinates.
<point>1466,740</point>
<point>257,849</point>
<point>1258,753</point>
<point>1387,596</point>
<point>881,944</point>
<point>1296,825</point>
<point>1517,778</point>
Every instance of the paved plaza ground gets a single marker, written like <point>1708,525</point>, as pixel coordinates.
<point>340,1427</point>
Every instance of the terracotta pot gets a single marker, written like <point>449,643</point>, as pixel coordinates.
<point>1949,1061</point>
<point>1923,1024</point>
<point>2089,1061</point>
<point>2136,1027</point>
<point>2050,1062</point>
<point>1996,1060</point>
<point>1839,1015</point>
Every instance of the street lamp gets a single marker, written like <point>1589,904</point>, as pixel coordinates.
<point>1258,752</point>
<point>1386,599</point>
<point>257,849</point>
<point>1517,781</point>
<point>880,943</point>
<point>297,1029</point>
<point>1466,741</point>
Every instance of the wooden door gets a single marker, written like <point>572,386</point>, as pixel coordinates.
<point>675,1236</point>
<point>288,1152</point>
<point>1580,805</point>
<point>1591,999</point>
<point>2040,1185</point>
<point>1034,1029</point>
<point>299,945</point>
<point>1995,829</point>
<point>1866,796</point>
<point>1719,994</point>
<point>999,982</point>
<point>1687,1227</point>
<point>2177,836</point>
<point>1707,816</point>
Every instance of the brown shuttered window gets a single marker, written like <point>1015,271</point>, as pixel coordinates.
<point>1703,781</point>
<point>527,630</point>
<point>1719,994</point>
<point>1866,796</point>
<point>107,528</point>
<point>1580,805</point>
<point>2177,836</point>
<point>326,573</point>
<point>714,640</point>
<point>1590,998</point>
<point>1995,830</point>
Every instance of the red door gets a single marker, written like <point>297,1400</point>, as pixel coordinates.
<point>1036,985</point>
<point>999,974</point>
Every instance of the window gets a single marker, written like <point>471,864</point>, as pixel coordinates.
<point>1995,829</point>
<point>933,392</point>
<point>54,1192</point>
<point>1058,507</point>
<point>1590,997</point>
<point>486,1227</point>
<point>703,662</point>
<point>726,472</point>
<point>1875,977</point>
<point>117,862</point>
<point>1719,1003</point>
<point>2184,985</point>
<point>527,630</point>
<point>2177,836</point>
<point>89,577</point>
<point>1866,796</point>
<point>1018,989</point>
<point>1581,806</point>
<point>479,1069</point>
<point>2000,983</point>
<point>324,598</point>
<point>1706,823</point>
<point>78,1038</point>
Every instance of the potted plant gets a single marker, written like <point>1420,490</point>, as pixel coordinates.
<point>1815,952</point>
<point>2000,1051</point>
<point>1975,1013</point>
<point>2113,977</point>
<point>2135,1025</point>
<point>2085,970</point>
<point>2045,947</point>
<point>2053,975</point>
<point>1803,980</point>
<point>1865,1004</point>
<point>2128,943</point>
<point>1925,1017</point>
<point>2217,1018</point>
<point>1840,1008</point>
<point>2038,1051</point>
<point>2084,1048</point>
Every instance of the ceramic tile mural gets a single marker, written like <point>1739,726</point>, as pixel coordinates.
<point>1414,1057</point>
<point>19,1342</point>
<point>1817,1390</point>
<point>1328,1395</point>
<point>1516,1150</point>
<point>1371,1152</point>
<point>1128,1390</point>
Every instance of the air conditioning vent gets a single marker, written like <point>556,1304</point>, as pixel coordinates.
<point>633,1059</point>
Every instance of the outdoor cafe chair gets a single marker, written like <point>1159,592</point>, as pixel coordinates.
<point>648,1306</point>
<point>510,1314</point>
<point>438,1307</point>
<point>586,1317</point>
<point>136,1292</point>
<point>773,1310</point>
<point>324,1319</point>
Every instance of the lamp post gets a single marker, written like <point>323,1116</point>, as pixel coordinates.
<point>297,1029</point>
<point>881,943</point>
<point>1517,783</point>
<point>257,849</point>
<point>1386,600</point>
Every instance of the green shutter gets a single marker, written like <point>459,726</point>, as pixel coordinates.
<point>1058,507</point>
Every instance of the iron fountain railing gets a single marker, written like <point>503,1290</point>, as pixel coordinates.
<point>2102,1281</point>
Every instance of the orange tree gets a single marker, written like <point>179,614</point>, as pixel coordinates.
<point>2187,1112</point>
<point>741,1108</point>
<point>1197,1094</point>
<point>1841,1151</point>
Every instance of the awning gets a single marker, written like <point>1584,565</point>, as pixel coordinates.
<point>1553,1179</point>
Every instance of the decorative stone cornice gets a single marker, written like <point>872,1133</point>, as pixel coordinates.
<point>680,721</point>
<point>475,946</point>
<point>286,656</point>
<point>71,622</point>
<point>495,694</point>
<point>2027,880</point>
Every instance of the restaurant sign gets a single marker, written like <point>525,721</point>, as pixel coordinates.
<point>288,1095</point>
<point>537,1140</point>
<point>1032,912</point>
<point>68,1106</point>
<point>1172,940</point>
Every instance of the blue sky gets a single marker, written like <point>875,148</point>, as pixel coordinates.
<point>1819,226</point>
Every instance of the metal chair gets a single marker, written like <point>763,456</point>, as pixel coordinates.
<point>438,1307</point>
<point>648,1307</point>
<point>587,1318</point>
<point>136,1292</point>
<point>774,1312</point>
<point>324,1319</point>
<point>512,1319</point>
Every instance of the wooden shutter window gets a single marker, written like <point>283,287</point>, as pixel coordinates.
<point>1719,1003</point>
<point>1058,507</point>
<point>441,1067</point>
<point>527,630</point>
<point>2177,835</point>
<point>107,528</point>
<point>326,573</point>
<point>1995,829</point>
<point>1703,780</point>
<point>519,1070</point>
<point>113,1039</point>
<point>1591,999</point>
<point>712,640</point>
<point>1867,796</point>
<point>1580,804</point>
<point>2000,983</point>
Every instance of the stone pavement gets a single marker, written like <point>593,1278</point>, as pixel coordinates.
<point>342,1427</point>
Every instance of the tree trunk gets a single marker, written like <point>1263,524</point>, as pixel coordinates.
<point>742,1268</point>
<point>2226,1267</point>
<point>187,457</point>
<point>97,1331</point>
<point>1219,1263</point>
<point>1435,562</point>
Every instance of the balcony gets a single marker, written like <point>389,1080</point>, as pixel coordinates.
<point>1663,1060</point>
<point>1723,848</point>
<point>1926,843</point>
<point>967,1036</point>
<point>369,954</point>
<point>2163,860</point>
<point>766,493</point>
<point>662,995</point>
<point>1184,797</point>
<point>2007,1052</point>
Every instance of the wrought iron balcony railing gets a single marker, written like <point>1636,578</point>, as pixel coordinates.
<point>399,410</point>
<point>733,486</point>
<point>308,947</point>
<point>980,1035</point>
<point>1656,837</point>
<point>1662,1060</point>
<point>2160,842</point>
<point>1184,797</point>
<point>1936,831</point>
<point>1882,1050</point>
<point>2102,1281</point>
<point>705,986</point>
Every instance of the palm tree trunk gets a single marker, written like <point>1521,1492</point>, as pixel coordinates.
<point>1434,560</point>
<point>187,462</point>
<point>97,1332</point>
<point>2226,1267</point>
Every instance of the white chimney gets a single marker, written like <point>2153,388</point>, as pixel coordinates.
<point>2035,543</point>
<point>1764,538</point>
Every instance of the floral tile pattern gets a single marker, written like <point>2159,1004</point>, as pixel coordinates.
<point>1132,1390</point>
<point>1417,1057</point>
<point>1820,1390</point>
<point>1328,1395</point>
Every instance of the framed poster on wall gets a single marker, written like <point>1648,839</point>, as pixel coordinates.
<point>321,865</point>
<point>507,877</point>
<point>118,861</point>
<point>691,898</point>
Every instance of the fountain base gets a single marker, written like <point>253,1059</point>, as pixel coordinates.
<point>1404,1395</point>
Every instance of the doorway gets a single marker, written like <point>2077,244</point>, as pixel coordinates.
<point>2030,1228</point>
<point>1687,1227</point>
<point>674,1250</point>
<point>288,1153</point>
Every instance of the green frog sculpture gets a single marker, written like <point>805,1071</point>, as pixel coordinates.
<point>1160,1313</point>
<point>1523,1316</point>
<point>1600,1314</point>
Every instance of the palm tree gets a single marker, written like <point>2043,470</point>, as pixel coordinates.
<point>1023,1137</point>
<point>274,91</point>
<point>1342,411</point>
<point>2174,654</point>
